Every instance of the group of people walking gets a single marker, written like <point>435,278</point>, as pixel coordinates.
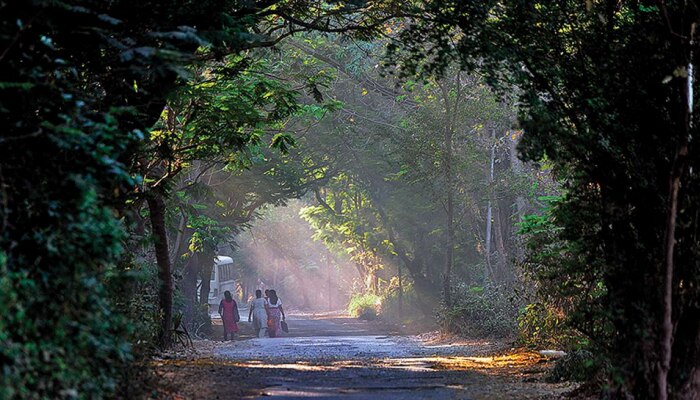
<point>266,313</point>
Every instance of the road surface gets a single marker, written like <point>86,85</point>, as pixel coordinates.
<point>340,357</point>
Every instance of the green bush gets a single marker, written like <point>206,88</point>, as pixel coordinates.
<point>540,325</point>
<point>59,336</point>
<point>578,366</point>
<point>196,321</point>
<point>364,306</point>
<point>479,311</point>
<point>201,326</point>
<point>133,289</point>
<point>413,310</point>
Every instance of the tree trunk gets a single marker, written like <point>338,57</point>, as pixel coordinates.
<point>205,273</point>
<point>488,269</point>
<point>449,208</point>
<point>156,206</point>
<point>500,232</point>
<point>189,287</point>
<point>666,341</point>
<point>679,163</point>
<point>330,298</point>
<point>400,292</point>
<point>177,247</point>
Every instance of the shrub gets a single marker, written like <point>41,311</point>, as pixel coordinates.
<point>414,310</point>
<point>542,325</point>
<point>579,366</point>
<point>196,321</point>
<point>133,290</point>
<point>59,335</point>
<point>201,326</point>
<point>364,306</point>
<point>479,311</point>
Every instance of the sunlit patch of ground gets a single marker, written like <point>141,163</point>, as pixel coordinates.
<point>218,363</point>
<point>519,360</point>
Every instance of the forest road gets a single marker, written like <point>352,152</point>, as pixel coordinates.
<point>331,357</point>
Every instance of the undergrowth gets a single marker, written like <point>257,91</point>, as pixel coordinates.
<point>364,306</point>
<point>479,311</point>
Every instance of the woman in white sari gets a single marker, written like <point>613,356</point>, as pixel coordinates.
<point>258,314</point>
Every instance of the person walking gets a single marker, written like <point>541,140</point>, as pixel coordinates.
<point>228,310</point>
<point>258,314</point>
<point>275,314</point>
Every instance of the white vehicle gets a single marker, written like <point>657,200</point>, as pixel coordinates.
<point>222,279</point>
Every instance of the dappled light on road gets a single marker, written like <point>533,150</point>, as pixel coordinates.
<point>359,365</point>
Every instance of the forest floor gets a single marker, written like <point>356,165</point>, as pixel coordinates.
<point>330,356</point>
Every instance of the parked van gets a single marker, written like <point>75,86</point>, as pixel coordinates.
<point>222,279</point>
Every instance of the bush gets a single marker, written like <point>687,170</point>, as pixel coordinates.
<point>201,326</point>
<point>364,306</point>
<point>133,290</point>
<point>59,335</point>
<point>414,310</point>
<point>578,366</point>
<point>479,311</point>
<point>195,320</point>
<point>541,325</point>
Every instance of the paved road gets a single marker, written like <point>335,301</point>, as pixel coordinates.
<point>332,357</point>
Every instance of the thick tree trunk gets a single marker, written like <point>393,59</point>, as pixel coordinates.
<point>666,341</point>
<point>206,266</point>
<point>156,206</point>
<point>189,287</point>
<point>205,271</point>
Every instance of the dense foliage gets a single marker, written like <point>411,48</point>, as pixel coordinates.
<point>60,173</point>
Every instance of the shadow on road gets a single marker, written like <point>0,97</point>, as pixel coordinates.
<point>329,357</point>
